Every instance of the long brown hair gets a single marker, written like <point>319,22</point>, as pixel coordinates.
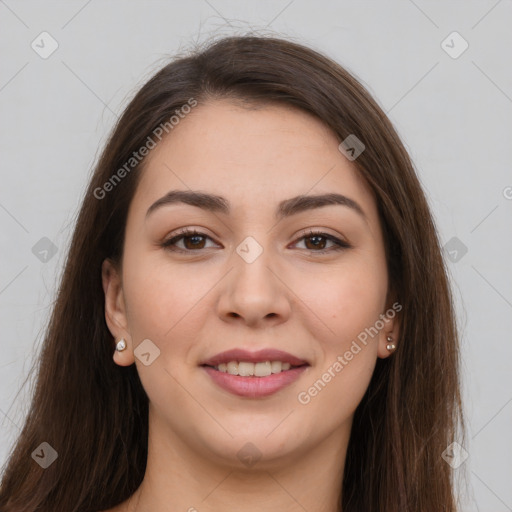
<point>95,413</point>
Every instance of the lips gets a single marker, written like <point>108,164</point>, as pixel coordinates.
<point>254,374</point>
<point>254,357</point>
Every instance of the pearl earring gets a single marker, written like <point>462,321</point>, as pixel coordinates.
<point>390,346</point>
<point>121,345</point>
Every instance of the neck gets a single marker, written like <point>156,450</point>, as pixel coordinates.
<point>178,477</point>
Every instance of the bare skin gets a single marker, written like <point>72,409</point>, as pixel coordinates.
<point>205,299</point>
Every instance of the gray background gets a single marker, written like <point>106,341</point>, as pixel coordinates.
<point>454,114</point>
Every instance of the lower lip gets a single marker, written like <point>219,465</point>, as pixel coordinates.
<point>254,387</point>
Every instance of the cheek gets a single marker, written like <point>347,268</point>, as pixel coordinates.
<point>162,304</point>
<point>348,299</point>
<point>350,305</point>
<point>160,298</point>
<point>355,306</point>
<point>351,301</point>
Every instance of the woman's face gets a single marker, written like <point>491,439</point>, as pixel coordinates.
<point>255,282</point>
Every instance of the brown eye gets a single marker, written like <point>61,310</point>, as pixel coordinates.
<point>194,242</point>
<point>316,242</point>
<point>191,241</point>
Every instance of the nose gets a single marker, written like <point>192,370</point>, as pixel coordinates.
<point>254,294</point>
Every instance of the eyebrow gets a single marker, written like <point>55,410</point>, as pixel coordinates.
<point>285,208</point>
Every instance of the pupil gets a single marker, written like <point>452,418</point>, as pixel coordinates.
<point>196,240</point>
<point>318,240</point>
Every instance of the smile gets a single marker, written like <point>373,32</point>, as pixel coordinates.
<point>248,369</point>
<point>251,380</point>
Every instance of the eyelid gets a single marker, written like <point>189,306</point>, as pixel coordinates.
<point>183,233</point>
<point>339,242</point>
<point>320,231</point>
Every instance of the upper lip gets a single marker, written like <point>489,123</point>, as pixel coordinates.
<point>268,354</point>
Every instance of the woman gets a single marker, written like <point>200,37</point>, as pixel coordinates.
<point>254,311</point>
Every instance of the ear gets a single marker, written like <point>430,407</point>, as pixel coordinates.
<point>390,333</point>
<point>115,311</point>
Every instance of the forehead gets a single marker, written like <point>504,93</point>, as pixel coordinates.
<point>253,156</point>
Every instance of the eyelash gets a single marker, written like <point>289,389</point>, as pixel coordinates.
<point>186,233</point>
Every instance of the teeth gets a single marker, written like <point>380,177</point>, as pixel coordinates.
<point>276,366</point>
<point>262,369</point>
<point>232,368</point>
<point>246,369</point>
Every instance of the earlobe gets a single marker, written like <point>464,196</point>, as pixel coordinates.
<point>389,336</point>
<point>390,345</point>
<point>387,346</point>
